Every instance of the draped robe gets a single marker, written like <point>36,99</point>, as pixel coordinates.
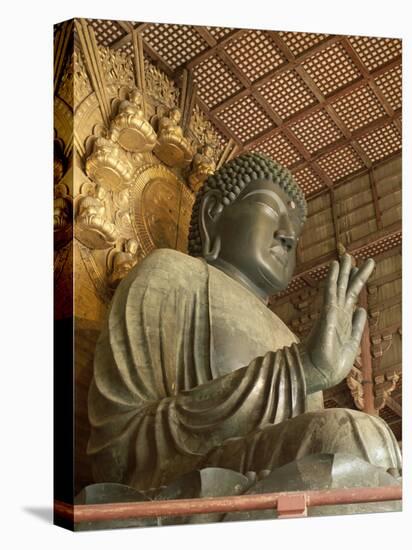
<point>193,370</point>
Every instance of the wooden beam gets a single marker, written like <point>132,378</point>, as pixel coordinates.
<point>205,35</point>
<point>389,278</point>
<point>140,76</point>
<point>391,329</point>
<point>189,100</point>
<point>393,405</point>
<point>127,38</point>
<point>310,281</point>
<point>375,199</point>
<point>390,369</point>
<point>334,216</point>
<point>386,304</point>
<point>367,374</point>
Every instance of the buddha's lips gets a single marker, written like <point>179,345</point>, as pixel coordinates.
<point>281,257</point>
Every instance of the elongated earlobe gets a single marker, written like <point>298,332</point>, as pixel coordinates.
<point>210,211</point>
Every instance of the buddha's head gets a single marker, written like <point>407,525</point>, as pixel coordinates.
<point>247,219</point>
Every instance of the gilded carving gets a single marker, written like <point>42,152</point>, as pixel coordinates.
<point>123,260</point>
<point>384,386</point>
<point>109,165</point>
<point>354,381</point>
<point>66,87</point>
<point>159,206</point>
<point>97,276</point>
<point>60,258</point>
<point>159,86</point>
<point>130,128</point>
<point>202,166</point>
<point>75,84</point>
<point>82,86</point>
<point>380,344</point>
<point>122,213</point>
<point>62,216</point>
<point>93,229</point>
<point>172,147</point>
<point>204,133</point>
<point>59,159</point>
<point>117,67</point>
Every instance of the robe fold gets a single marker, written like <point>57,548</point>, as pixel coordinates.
<point>189,369</point>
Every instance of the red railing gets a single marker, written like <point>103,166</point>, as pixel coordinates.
<point>292,504</point>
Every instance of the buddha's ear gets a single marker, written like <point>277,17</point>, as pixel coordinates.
<point>209,214</point>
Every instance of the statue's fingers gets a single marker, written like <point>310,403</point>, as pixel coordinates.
<point>342,284</point>
<point>353,272</point>
<point>358,326</point>
<point>358,282</point>
<point>330,288</point>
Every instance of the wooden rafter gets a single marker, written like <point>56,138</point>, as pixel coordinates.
<point>393,405</point>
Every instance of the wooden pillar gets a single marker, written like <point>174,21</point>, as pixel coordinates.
<point>367,372</point>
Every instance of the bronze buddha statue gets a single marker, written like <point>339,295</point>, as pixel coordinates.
<point>193,370</point>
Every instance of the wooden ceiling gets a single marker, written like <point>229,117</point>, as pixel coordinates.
<point>328,107</point>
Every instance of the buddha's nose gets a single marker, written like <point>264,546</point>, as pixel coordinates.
<point>285,234</point>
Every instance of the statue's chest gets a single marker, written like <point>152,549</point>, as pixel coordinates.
<point>242,327</point>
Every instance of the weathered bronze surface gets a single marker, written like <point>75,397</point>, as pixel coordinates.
<point>192,370</point>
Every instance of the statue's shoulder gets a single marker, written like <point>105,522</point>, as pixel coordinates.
<point>172,259</point>
<point>172,266</point>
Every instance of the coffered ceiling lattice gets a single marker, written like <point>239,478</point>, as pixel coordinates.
<point>326,106</point>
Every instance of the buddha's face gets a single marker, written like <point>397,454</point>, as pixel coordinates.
<point>259,234</point>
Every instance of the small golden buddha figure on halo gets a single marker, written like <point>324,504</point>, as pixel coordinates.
<point>92,226</point>
<point>130,127</point>
<point>124,261</point>
<point>203,165</point>
<point>62,207</point>
<point>108,164</point>
<point>172,147</point>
